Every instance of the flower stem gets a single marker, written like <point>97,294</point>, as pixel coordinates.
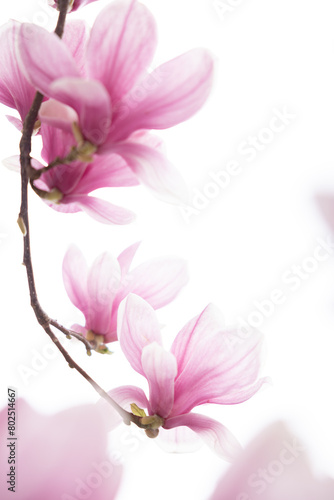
<point>23,221</point>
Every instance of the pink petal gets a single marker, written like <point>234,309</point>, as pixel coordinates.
<point>101,210</point>
<point>158,281</point>
<point>90,100</point>
<point>160,369</point>
<point>75,38</point>
<point>106,171</point>
<point>137,327</point>
<point>171,94</point>
<point>79,329</point>
<point>326,205</point>
<point>121,46</point>
<point>56,143</point>
<point>102,285</point>
<point>215,365</point>
<point>57,115</point>
<point>75,273</point>
<point>44,57</point>
<point>152,168</point>
<point>126,257</point>
<point>213,433</point>
<point>15,121</point>
<point>15,90</point>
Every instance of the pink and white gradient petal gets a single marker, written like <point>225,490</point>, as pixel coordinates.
<point>213,433</point>
<point>137,327</point>
<point>75,274</point>
<point>160,369</point>
<point>181,87</point>
<point>117,57</point>
<point>100,210</point>
<point>102,283</point>
<point>126,257</point>
<point>44,57</point>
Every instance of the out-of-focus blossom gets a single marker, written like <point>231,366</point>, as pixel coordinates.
<point>326,205</point>
<point>98,291</point>
<point>114,96</point>
<point>73,5</point>
<point>273,467</point>
<point>62,456</point>
<point>206,364</point>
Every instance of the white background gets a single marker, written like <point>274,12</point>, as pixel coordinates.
<point>270,55</point>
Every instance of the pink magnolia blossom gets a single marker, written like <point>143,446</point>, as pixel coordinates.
<point>98,291</point>
<point>74,4</point>
<point>273,467</point>
<point>114,96</point>
<point>62,456</point>
<point>15,90</point>
<point>206,364</point>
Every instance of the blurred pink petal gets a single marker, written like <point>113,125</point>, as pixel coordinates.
<point>117,57</point>
<point>75,37</point>
<point>274,466</point>
<point>160,369</point>
<point>15,90</point>
<point>326,205</point>
<point>213,433</point>
<point>55,114</point>
<point>60,455</point>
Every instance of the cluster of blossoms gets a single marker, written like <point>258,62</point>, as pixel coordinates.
<point>100,104</point>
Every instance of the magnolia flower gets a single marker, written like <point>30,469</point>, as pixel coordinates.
<point>61,456</point>
<point>73,5</point>
<point>104,103</point>
<point>15,90</point>
<point>273,467</point>
<point>98,291</point>
<point>206,364</point>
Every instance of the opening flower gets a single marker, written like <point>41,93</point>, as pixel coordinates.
<point>206,364</point>
<point>98,291</point>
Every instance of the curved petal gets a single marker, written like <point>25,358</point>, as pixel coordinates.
<point>106,171</point>
<point>152,168</point>
<point>126,257</point>
<point>215,365</point>
<point>124,396</point>
<point>121,46</point>
<point>90,100</point>
<point>44,57</point>
<point>75,38</point>
<point>15,121</point>
<point>75,273</point>
<point>213,433</point>
<point>15,90</point>
<point>157,281</point>
<point>171,94</point>
<point>102,284</point>
<point>56,143</point>
<point>100,210</point>
<point>160,369</point>
<point>58,115</point>
<point>137,327</point>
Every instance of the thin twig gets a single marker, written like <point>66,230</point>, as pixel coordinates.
<point>23,221</point>
<point>71,333</point>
